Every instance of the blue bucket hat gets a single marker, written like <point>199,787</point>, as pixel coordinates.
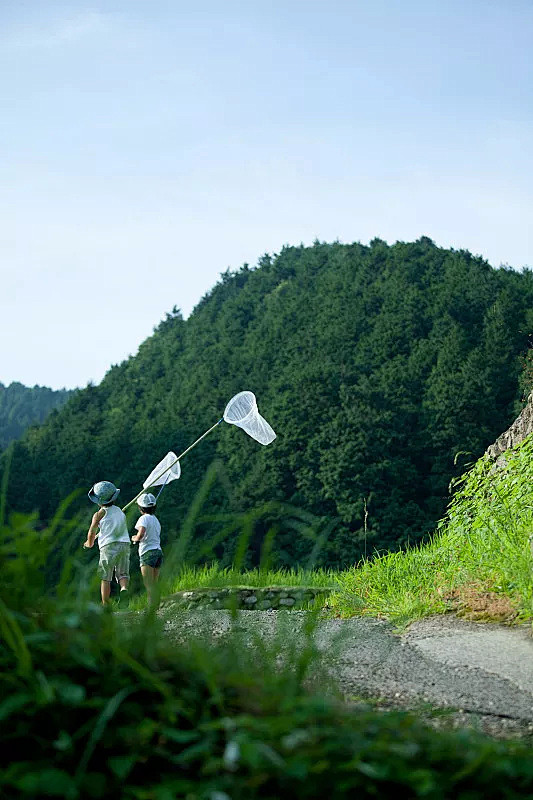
<point>103,492</point>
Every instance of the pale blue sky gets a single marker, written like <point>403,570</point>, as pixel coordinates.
<point>147,146</point>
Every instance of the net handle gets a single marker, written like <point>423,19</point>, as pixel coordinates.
<point>174,462</point>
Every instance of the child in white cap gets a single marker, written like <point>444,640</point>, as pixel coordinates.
<point>148,537</point>
<point>113,541</point>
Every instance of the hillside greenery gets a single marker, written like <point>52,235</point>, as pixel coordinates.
<point>22,406</point>
<point>375,365</point>
<point>478,561</point>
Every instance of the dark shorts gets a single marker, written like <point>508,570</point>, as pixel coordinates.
<point>152,558</point>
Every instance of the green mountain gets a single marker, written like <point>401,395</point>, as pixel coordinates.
<point>374,364</point>
<point>22,406</point>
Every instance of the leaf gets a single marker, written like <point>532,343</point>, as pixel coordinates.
<point>13,703</point>
<point>100,726</point>
<point>63,742</point>
<point>14,638</point>
<point>71,693</point>
<point>47,782</point>
<point>231,755</point>
<point>180,736</point>
<point>121,766</point>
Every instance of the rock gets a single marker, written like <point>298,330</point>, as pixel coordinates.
<point>250,600</point>
<point>233,597</point>
<point>519,430</point>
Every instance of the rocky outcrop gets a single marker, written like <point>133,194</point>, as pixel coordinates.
<point>521,427</point>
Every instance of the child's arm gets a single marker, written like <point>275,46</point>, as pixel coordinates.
<point>140,535</point>
<point>91,534</point>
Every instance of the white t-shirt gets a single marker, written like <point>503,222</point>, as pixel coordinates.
<point>113,527</point>
<point>152,537</point>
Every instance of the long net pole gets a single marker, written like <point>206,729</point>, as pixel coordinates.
<point>174,462</point>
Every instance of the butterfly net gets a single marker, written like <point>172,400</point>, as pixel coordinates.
<point>242,411</point>
<point>167,470</point>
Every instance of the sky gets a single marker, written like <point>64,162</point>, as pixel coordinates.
<point>148,145</point>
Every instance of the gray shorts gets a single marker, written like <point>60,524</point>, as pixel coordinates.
<point>114,557</point>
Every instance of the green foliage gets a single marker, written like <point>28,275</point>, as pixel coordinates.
<point>484,541</point>
<point>97,705</point>
<point>22,406</point>
<point>375,365</point>
<point>213,575</point>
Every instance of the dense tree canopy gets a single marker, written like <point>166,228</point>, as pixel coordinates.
<point>375,365</point>
<point>22,406</point>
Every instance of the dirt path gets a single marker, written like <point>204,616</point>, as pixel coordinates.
<point>482,674</point>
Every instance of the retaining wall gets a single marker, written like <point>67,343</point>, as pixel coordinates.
<point>264,599</point>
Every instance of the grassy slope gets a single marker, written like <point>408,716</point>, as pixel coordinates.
<point>482,546</point>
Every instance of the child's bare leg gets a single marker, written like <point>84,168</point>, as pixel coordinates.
<point>123,582</point>
<point>105,591</point>
<point>157,592</point>
<point>148,579</point>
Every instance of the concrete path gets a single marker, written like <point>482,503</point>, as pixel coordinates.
<point>506,652</point>
<point>479,672</point>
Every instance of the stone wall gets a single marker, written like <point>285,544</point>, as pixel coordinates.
<point>521,427</point>
<point>264,599</point>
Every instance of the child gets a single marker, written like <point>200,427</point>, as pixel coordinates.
<point>113,541</point>
<point>149,538</point>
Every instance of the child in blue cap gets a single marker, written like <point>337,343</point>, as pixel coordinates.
<point>113,541</point>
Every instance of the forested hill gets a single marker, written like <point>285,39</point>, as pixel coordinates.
<point>22,406</point>
<point>375,365</point>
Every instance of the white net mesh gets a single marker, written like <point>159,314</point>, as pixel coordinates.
<point>162,474</point>
<point>242,411</point>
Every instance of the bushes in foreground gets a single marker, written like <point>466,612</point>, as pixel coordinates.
<point>98,705</point>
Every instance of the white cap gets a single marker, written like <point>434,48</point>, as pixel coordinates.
<point>146,500</point>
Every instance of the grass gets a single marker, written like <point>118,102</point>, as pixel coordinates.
<point>213,576</point>
<point>481,549</point>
